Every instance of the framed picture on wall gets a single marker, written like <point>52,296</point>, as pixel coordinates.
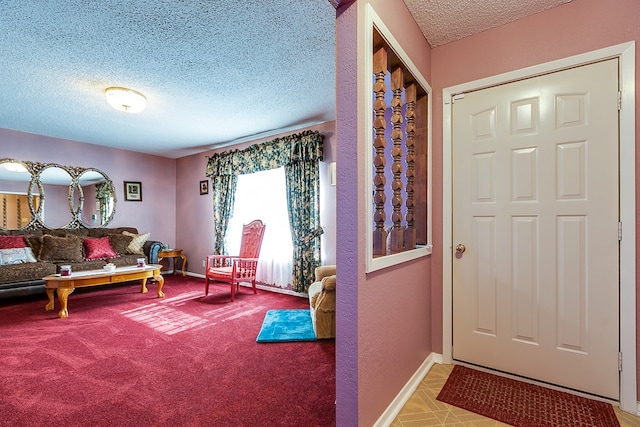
<point>133,191</point>
<point>204,187</point>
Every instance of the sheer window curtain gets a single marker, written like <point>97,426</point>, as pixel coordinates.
<point>262,195</point>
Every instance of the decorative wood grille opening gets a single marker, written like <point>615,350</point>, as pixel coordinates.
<point>400,147</point>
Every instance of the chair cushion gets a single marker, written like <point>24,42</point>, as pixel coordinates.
<point>323,309</point>
<point>221,273</point>
<point>329,283</point>
<point>25,272</point>
<point>324,270</point>
<point>314,291</point>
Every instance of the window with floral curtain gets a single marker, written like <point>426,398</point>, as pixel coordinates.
<point>299,155</point>
<point>262,195</point>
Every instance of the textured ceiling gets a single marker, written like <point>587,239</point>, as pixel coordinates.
<point>215,72</point>
<point>445,21</point>
<point>212,71</point>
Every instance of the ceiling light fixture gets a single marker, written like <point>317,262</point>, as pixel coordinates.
<point>124,99</point>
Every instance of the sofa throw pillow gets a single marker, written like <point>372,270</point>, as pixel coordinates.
<point>120,243</point>
<point>12,256</point>
<point>98,248</point>
<point>8,242</point>
<point>135,247</point>
<point>34,243</point>
<point>56,249</point>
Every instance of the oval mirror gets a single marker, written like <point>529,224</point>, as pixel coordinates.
<point>14,194</point>
<point>98,206</point>
<point>56,207</point>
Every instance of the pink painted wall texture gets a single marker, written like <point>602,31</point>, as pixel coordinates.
<point>573,28</point>
<point>384,319</point>
<point>156,213</point>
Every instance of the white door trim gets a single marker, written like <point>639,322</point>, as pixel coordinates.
<point>626,53</point>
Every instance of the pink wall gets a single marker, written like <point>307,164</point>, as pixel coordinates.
<point>157,211</point>
<point>195,233</point>
<point>348,210</point>
<point>384,317</point>
<point>573,28</point>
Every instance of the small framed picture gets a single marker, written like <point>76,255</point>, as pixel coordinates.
<point>204,187</point>
<point>133,191</point>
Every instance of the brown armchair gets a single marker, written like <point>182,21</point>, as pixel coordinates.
<point>240,268</point>
<point>322,302</point>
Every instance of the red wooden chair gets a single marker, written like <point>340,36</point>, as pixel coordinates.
<point>240,268</point>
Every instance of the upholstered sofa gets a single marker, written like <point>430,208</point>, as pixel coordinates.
<point>28,256</point>
<point>322,302</point>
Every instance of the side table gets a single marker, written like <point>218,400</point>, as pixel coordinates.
<point>174,253</point>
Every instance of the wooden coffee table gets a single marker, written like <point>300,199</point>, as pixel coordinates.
<point>66,284</point>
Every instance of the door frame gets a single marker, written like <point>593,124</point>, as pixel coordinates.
<point>625,52</point>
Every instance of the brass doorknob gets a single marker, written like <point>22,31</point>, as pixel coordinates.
<point>460,248</point>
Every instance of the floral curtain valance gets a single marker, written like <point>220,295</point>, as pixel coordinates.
<point>279,152</point>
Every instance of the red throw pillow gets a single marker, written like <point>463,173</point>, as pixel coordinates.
<point>98,248</point>
<point>10,242</point>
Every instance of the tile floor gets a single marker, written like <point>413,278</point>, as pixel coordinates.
<point>423,410</point>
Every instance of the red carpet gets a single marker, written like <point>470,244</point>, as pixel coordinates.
<point>521,404</point>
<point>128,359</point>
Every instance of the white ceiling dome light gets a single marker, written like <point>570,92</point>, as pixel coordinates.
<point>127,100</point>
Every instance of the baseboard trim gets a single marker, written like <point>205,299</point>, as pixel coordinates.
<point>258,286</point>
<point>409,388</point>
<point>194,274</point>
<point>278,290</point>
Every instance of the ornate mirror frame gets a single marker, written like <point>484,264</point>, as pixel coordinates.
<point>72,180</point>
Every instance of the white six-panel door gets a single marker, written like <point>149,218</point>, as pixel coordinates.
<point>535,212</point>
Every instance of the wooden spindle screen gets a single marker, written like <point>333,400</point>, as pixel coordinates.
<point>400,141</point>
<point>18,212</point>
<point>410,231</point>
<point>379,159</point>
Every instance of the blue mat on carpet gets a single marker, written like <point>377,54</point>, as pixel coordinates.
<point>286,326</point>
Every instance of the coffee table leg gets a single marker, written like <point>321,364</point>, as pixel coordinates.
<point>63,295</point>
<point>184,264</point>
<point>50,304</point>
<point>144,289</point>
<point>160,281</point>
